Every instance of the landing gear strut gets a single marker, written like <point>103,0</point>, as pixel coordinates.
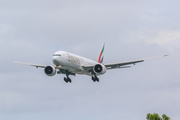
<point>95,79</point>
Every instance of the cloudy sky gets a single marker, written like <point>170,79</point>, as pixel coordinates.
<point>32,30</point>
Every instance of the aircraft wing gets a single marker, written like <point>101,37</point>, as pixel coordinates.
<point>35,65</point>
<point>88,67</point>
<point>122,64</point>
<point>61,71</point>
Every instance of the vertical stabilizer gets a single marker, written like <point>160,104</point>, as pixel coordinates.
<point>101,56</point>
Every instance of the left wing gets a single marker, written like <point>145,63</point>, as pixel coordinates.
<point>118,65</point>
<point>113,65</point>
<point>122,64</point>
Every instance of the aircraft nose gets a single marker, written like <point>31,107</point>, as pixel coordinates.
<point>55,60</point>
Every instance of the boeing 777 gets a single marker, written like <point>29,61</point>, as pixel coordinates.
<point>71,64</point>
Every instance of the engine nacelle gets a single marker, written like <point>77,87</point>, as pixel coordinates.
<point>50,70</point>
<point>99,69</point>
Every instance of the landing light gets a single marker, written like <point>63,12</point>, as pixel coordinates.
<point>58,66</point>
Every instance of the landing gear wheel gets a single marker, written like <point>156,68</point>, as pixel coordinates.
<point>67,80</point>
<point>95,79</point>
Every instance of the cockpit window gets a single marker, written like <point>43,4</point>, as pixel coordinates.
<point>56,55</point>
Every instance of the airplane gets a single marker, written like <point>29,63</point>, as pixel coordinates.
<point>71,64</point>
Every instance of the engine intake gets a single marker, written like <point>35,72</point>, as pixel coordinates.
<point>50,70</point>
<point>99,69</point>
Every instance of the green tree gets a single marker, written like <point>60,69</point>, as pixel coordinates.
<point>149,116</point>
<point>155,116</point>
<point>165,117</point>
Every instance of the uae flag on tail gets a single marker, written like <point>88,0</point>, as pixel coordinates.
<point>101,56</point>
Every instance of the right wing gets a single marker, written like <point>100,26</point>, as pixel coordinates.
<point>35,65</point>
<point>61,71</point>
<point>122,64</point>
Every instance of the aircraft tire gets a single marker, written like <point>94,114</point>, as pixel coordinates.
<point>69,80</point>
<point>93,79</point>
<point>66,80</point>
<point>97,79</point>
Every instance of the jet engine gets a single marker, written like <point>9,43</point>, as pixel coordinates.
<point>99,69</point>
<point>50,70</point>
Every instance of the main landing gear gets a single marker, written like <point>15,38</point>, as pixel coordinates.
<point>95,79</point>
<point>67,79</point>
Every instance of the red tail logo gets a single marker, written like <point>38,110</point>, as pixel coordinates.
<point>101,56</point>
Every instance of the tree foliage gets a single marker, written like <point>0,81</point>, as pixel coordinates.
<point>155,116</point>
<point>165,117</point>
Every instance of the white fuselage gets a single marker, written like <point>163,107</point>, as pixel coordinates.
<point>72,62</point>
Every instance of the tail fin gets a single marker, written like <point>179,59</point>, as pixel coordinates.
<point>101,56</point>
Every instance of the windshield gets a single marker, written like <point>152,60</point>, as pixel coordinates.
<point>56,55</point>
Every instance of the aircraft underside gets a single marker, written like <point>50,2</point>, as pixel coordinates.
<point>67,73</point>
